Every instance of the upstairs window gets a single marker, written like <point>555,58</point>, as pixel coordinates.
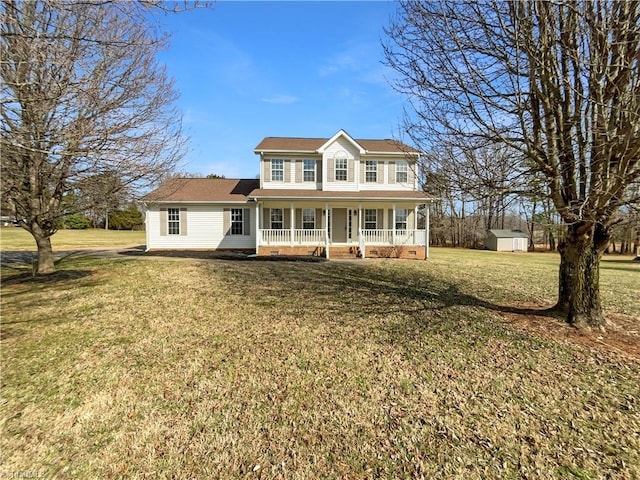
<point>308,218</point>
<point>173,221</point>
<point>402,172</point>
<point>341,169</point>
<point>309,170</point>
<point>401,218</point>
<point>236,221</point>
<point>371,171</point>
<point>277,170</point>
<point>277,219</point>
<point>370,219</point>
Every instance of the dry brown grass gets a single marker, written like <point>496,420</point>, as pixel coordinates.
<point>379,369</point>
<point>18,239</point>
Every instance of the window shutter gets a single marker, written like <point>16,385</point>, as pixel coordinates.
<point>350,163</point>
<point>318,224</point>
<point>411,174</point>
<point>266,218</point>
<point>380,173</point>
<point>298,223</point>
<point>390,218</point>
<point>318,171</point>
<point>183,221</point>
<point>226,221</point>
<point>331,170</point>
<point>299,168</point>
<point>411,219</point>
<point>363,167</point>
<point>266,174</point>
<point>380,219</point>
<point>163,222</point>
<point>246,220</point>
<point>287,171</point>
<point>392,172</point>
<point>286,217</point>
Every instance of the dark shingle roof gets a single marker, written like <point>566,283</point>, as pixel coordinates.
<point>242,190</point>
<point>293,144</point>
<point>204,190</point>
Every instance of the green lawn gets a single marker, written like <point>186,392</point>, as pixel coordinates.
<point>18,239</point>
<point>187,368</point>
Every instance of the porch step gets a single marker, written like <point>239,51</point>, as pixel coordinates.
<point>339,253</point>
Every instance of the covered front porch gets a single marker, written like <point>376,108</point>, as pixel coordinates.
<point>343,229</point>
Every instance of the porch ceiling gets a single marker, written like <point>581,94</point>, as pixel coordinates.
<point>272,194</point>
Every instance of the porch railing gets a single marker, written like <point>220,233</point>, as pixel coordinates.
<point>389,237</point>
<point>318,237</point>
<point>308,236</point>
<point>300,236</point>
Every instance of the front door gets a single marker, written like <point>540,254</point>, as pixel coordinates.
<point>339,225</point>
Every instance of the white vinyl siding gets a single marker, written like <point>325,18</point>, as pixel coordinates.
<point>205,229</point>
<point>341,149</point>
<point>290,173</point>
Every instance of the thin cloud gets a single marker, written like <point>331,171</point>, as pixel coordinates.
<point>280,99</point>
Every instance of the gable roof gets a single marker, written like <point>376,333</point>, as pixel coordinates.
<point>508,233</point>
<point>231,190</point>
<point>317,145</point>
<point>344,135</point>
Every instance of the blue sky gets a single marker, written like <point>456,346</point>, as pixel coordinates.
<point>248,70</point>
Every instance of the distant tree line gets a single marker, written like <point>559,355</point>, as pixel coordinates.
<point>487,189</point>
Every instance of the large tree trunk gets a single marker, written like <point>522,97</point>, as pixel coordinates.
<point>579,278</point>
<point>45,263</point>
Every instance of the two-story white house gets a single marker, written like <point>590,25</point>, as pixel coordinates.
<point>337,197</point>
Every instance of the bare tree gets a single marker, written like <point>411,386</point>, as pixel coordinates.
<point>82,95</point>
<point>557,81</point>
<point>99,194</point>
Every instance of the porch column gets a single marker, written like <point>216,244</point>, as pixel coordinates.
<point>426,233</point>
<point>292,219</point>
<point>326,230</point>
<point>393,223</point>
<point>360,237</point>
<point>258,232</point>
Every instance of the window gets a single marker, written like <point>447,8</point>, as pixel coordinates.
<point>277,170</point>
<point>370,219</point>
<point>401,219</point>
<point>277,219</point>
<point>308,218</point>
<point>309,170</point>
<point>341,169</point>
<point>236,221</point>
<point>402,172</point>
<point>173,220</point>
<point>371,171</point>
